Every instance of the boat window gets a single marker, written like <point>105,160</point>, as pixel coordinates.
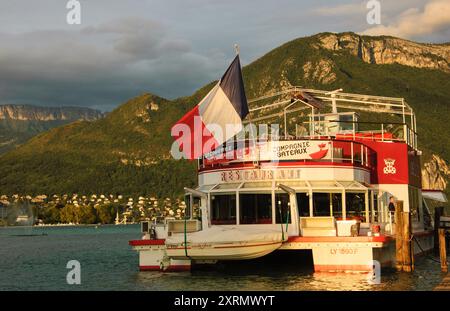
<point>337,204</point>
<point>357,155</point>
<point>346,122</point>
<point>187,211</point>
<point>303,204</point>
<point>223,209</point>
<point>282,208</point>
<point>196,211</point>
<point>192,210</point>
<point>355,206</point>
<point>321,204</point>
<point>373,211</point>
<point>255,208</point>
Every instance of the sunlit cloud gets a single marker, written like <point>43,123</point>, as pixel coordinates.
<point>432,21</point>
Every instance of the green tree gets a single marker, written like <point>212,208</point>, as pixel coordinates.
<point>86,214</point>
<point>69,214</point>
<point>49,213</point>
<point>106,213</point>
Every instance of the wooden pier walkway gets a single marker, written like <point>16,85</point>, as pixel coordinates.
<point>445,284</point>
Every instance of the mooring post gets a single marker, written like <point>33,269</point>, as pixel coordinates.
<point>407,249</point>
<point>443,250</point>
<point>438,212</point>
<point>399,235</point>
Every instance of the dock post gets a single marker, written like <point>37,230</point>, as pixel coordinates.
<point>443,250</point>
<point>407,249</point>
<point>438,212</point>
<point>399,235</point>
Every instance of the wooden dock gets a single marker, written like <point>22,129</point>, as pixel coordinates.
<point>445,284</point>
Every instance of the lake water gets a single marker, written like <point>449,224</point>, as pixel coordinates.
<point>108,263</point>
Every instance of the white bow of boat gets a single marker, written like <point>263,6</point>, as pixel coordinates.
<point>224,243</point>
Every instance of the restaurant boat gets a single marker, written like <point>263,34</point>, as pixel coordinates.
<point>320,182</point>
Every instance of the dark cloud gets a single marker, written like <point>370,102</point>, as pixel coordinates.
<point>170,48</point>
<point>101,65</point>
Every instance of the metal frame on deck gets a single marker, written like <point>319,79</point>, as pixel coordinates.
<point>288,98</point>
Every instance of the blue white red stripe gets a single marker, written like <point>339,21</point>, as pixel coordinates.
<point>217,118</point>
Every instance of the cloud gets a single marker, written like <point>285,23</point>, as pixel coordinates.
<point>170,48</point>
<point>430,22</point>
<point>341,9</point>
<point>140,38</point>
<point>102,65</point>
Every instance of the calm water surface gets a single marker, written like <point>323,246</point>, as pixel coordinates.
<point>108,263</point>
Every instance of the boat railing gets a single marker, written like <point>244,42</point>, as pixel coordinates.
<point>340,152</point>
<point>354,130</point>
<point>288,106</point>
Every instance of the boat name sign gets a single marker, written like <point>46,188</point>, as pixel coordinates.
<point>295,150</point>
<point>258,174</point>
<point>276,151</point>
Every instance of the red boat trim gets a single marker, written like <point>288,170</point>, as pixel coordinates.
<point>331,239</point>
<point>149,268</point>
<point>285,164</point>
<point>147,242</point>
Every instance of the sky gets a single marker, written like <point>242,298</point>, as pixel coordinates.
<point>173,47</point>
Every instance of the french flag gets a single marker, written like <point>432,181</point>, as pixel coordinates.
<point>216,119</point>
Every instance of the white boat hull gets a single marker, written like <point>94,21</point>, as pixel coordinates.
<point>224,243</point>
<point>229,251</point>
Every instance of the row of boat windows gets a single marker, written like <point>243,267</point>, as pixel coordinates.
<point>256,208</point>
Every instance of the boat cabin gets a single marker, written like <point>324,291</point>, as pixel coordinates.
<point>312,159</point>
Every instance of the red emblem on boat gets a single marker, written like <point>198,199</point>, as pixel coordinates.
<point>319,154</point>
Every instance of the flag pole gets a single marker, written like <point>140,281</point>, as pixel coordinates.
<point>253,138</point>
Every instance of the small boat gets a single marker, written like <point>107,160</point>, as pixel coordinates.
<point>224,243</point>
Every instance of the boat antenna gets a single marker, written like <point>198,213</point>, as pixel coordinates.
<point>333,99</point>
<point>236,48</point>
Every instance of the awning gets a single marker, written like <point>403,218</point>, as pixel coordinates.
<point>435,195</point>
<point>300,186</point>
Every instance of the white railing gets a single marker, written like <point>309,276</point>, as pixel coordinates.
<point>340,152</point>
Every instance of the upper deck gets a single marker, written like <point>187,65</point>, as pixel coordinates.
<point>313,154</point>
<point>304,125</point>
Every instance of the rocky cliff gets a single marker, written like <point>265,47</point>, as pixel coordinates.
<point>435,174</point>
<point>389,50</point>
<point>18,123</point>
<point>36,113</point>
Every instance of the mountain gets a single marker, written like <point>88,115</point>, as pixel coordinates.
<point>18,123</point>
<point>127,152</point>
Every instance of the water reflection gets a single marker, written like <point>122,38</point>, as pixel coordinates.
<point>426,276</point>
<point>108,263</point>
